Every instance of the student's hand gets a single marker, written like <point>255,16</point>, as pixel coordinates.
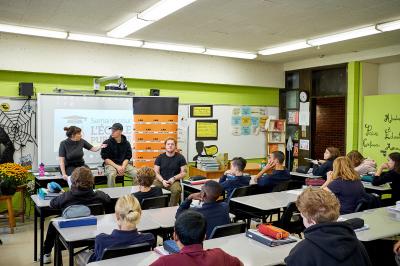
<point>120,170</point>
<point>396,247</point>
<point>166,184</point>
<point>385,166</point>
<point>65,177</point>
<point>102,146</point>
<point>171,180</point>
<point>329,176</point>
<point>270,165</point>
<point>321,161</point>
<point>314,161</point>
<point>228,172</point>
<point>195,196</point>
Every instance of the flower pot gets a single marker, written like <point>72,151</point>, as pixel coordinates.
<point>8,187</point>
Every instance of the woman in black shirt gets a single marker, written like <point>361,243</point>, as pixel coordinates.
<point>145,178</point>
<point>392,175</point>
<point>322,167</point>
<point>71,150</point>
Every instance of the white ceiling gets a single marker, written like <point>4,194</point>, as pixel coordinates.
<point>247,25</point>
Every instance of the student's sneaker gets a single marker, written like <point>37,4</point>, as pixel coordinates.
<point>47,258</point>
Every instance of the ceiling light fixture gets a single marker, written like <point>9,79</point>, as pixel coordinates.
<point>285,48</point>
<point>174,47</point>
<point>105,40</point>
<point>344,36</point>
<point>389,26</point>
<point>156,12</point>
<point>227,53</point>
<point>33,31</point>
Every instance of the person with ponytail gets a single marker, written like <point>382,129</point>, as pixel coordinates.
<point>71,150</point>
<point>391,175</point>
<point>128,214</point>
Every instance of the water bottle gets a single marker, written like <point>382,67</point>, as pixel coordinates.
<point>41,169</point>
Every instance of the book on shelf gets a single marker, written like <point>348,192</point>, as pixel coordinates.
<point>276,147</point>
<point>276,137</point>
<point>296,150</point>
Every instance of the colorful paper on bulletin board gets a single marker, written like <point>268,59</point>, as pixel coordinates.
<point>246,131</point>
<point>255,121</point>
<point>245,110</point>
<point>246,121</point>
<point>206,130</point>
<point>236,131</point>
<point>255,111</point>
<point>201,111</point>
<point>236,121</point>
<point>263,120</point>
<point>255,130</point>
<point>236,111</point>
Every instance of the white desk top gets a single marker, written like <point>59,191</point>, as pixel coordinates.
<point>165,217</point>
<point>305,175</point>
<point>105,224</point>
<point>250,252</point>
<point>382,223</point>
<point>267,201</point>
<point>384,187</point>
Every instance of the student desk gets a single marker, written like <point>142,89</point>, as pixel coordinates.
<point>250,252</point>
<point>189,189</point>
<point>42,210</point>
<point>81,236</point>
<point>382,189</point>
<point>382,223</point>
<point>303,176</point>
<point>251,168</point>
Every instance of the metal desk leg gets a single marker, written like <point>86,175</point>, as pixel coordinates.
<point>41,237</point>
<point>35,234</point>
<point>71,254</point>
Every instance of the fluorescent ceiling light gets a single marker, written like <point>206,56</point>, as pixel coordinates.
<point>163,8</point>
<point>156,12</point>
<point>33,31</point>
<point>128,27</point>
<point>106,40</point>
<point>343,36</point>
<point>388,26</point>
<point>226,53</point>
<point>285,48</point>
<point>174,47</point>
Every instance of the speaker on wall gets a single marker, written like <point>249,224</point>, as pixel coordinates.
<point>26,89</point>
<point>154,92</point>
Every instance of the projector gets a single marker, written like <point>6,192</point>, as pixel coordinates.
<point>116,87</point>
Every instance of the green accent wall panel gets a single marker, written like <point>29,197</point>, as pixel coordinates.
<point>353,99</point>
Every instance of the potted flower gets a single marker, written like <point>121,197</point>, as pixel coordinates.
<point>12,175</point>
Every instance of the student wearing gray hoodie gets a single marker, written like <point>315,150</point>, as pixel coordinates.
<point>362,165</point>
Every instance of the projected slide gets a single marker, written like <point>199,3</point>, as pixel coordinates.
<point>94,124</point>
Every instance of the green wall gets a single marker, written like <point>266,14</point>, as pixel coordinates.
<point>353,104</point>
<point>188,92</point>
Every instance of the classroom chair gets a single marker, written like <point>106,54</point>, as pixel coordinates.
<point>96,208</point>
<point>155,202</point>
<point>115,252</point>
<point>291,220</point>
<point>368,201</point>
<point>228,229</point>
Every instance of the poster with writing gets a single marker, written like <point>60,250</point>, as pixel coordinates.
<point>206,129</point>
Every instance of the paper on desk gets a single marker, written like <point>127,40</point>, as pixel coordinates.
<point>295,192</point>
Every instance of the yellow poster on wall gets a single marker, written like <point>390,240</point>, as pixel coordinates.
<point>206,129</point>
<point>201,111</point>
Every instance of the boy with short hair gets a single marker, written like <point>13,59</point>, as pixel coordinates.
<point>279,174</point>
<point>189,234</point>
<point>326,241</point>
<point>234,178</point>
<point>215,213</point>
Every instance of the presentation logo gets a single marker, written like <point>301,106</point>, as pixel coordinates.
<point>74,119</point>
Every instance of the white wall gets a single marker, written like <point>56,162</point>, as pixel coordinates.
<point>369,78</point>
<point>35,54</point>
<point>389,78</point>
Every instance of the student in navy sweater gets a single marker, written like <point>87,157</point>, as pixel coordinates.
<point>215,213</point>
<point>326,241</point>
<point>346,184</point>
<point>128,213</point>
<point>322,167</point>
<point>279,174</point>
<point>145,178</point>
<point>392,175</point>
<point>234,178</point>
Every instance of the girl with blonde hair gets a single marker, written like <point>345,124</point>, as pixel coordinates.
<point>128,214</point>
<point>345,183</point>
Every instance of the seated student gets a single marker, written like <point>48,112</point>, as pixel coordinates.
<point>128,214</point>
<point>279,173</point>
<point>346,184</point>
<point>396,250</point>
<point>190,231</point>
<point>392,175</point>
<point>145,178</point>
<point>234,178</point>
<point>321,167</point>
<point>81,193</point>
<point>361,165</point>
<point>326,241</point>
<point>215,213</point>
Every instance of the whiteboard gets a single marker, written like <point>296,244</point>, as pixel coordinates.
<point>250,146</point>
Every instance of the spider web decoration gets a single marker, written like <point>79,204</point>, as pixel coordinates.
<point>18,125</point>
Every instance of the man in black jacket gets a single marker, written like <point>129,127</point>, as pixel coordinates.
<point>116,156</point>
<point>326,242</point>
<point>81,193</point>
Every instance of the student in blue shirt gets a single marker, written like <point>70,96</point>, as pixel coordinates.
<point>215,213</point>
<point>128,213</point>
<point>234,178</point>
<point>279,172</point>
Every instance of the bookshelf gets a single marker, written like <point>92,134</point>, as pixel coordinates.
<point>276,136</point>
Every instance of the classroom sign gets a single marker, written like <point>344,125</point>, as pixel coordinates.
<point>381,127</point>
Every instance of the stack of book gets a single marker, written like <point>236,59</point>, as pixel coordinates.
<point>207,163</point>
<point>44,194</point>
<point>266,240</point>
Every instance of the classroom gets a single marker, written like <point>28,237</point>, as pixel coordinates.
<point>200,132</point>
